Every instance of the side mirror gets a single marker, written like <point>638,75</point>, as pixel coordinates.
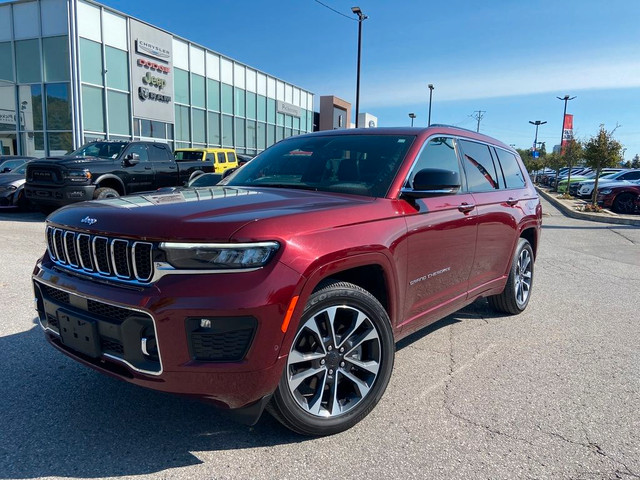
<point>433,181</point>
<point>132,159</point>
<point>5,170</point>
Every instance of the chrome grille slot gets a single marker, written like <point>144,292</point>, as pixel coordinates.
<point>70,248</point>
<point>101,255</point>
<point>115,258</point>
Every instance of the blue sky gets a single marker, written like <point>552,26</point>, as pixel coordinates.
<point>510,58</point>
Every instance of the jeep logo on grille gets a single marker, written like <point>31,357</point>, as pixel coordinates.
<point>88,220</point>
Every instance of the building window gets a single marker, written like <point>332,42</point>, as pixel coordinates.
<point>271,110</point>
<point>182,123</point>
<point>251,106</point>
<point>239,102</point>
<point>197,90</point>
<point>92,109</point>
<point>6,62</point>
<point>261,133</point>
<point>60,143</point>
<point>198,125</point>
<point>58,106</point>
<point>91,62</point>
<point>56,59</point>
<point>227,131</point>
<point>240,140</point>
<point>251,134</point>
<point>117,68</point>
<point>28,61</point>
<point>181,86</point>
<point>214,129</point>
<point>261,108</point>
<point>213,95</point>
<point>32,144</point>
<point>119,113</point>
<point>30,98</point>
<point>227,99</point>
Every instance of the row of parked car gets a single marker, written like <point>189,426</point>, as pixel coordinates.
<point>14,172</point>
<point>618,188</point>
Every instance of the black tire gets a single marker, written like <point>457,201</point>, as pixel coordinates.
<point>624,203</point>
<point>343,374</point>
<point>517,292</point>
<point>105,192</point>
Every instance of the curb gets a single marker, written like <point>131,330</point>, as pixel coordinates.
<point>594,217</point>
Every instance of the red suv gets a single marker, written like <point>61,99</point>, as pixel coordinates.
<point>287,286</point>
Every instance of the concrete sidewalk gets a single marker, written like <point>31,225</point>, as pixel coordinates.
<point>569,208</point>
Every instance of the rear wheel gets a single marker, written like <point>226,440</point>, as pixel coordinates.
<point>339,364</point>
<point>105,192</point>
<point>624,203</point>
<point>515,296</point>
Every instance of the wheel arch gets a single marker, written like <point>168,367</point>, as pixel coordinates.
<point>531,235</point>
<point>111,181</point>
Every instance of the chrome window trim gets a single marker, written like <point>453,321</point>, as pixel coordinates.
<point>186,245</point>
<point>128,307</point>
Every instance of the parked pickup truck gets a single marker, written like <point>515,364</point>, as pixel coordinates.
<point>107,169</point>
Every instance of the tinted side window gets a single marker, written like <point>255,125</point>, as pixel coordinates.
<point>160,152</point>
<point>512,173</point>
<point>478,166</point>
<point>439,152</point>
<point>140,150</point>
<point>232,157</point>
<point>221,158</point>
<point>630,176</point>
<point>211,157</point>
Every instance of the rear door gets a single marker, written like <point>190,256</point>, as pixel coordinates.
<point>139,177</point>
<point>499,210</point>
<point>221,162</point>
<point>441,242</point>
<point>164,165</point>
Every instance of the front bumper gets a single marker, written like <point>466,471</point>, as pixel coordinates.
<point>58,196</point>
<point>214,337</point>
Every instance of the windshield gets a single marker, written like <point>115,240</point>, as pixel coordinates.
<point>189,155</point>
<point>356,163</point>
<point>100,150</point>
<point>206,180</point>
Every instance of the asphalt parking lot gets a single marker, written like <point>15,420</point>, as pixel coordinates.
<point>552,393</point>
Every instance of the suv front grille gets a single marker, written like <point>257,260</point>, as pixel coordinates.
<point>115,258</point>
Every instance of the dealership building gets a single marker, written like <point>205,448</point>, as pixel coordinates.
<point>72,71</point>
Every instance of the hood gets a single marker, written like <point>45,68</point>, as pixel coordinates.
<point>69,161</point>
<point>12,178</point>
<point>204,214</point>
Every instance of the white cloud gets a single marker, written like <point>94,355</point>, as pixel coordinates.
<point>505,81</point>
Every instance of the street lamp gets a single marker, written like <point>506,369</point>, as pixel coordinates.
<point>412,116</point>
<point>537,123</point>
<point>430,98</point>
<point>566,98</point>
<point>361,17</point>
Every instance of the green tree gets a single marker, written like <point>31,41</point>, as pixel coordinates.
<point>600,151</point>
<point>572,155</point>
<point>635,163</point>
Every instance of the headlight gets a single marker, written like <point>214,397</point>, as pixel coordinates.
<point>216,256</point>
<point>8,188</point>
<point>605,191</point>
<point>78,175</point>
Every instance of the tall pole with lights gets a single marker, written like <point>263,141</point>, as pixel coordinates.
<point>412,116</point>
<point>537,123</point>
<point>361,18</point>
<point>431,87</point>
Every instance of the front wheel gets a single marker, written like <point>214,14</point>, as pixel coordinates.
<point>515,296</point>
<point>339,364</point>
<point>625,203</point>
<point>105,192</point>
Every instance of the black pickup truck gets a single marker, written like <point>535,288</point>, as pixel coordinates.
<point>107,169</point>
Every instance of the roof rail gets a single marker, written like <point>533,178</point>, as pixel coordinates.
<point>452,126</point>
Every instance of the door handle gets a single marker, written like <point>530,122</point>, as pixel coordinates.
<point>466,207</point>
<point>512,201</point>
<point>147,168</point>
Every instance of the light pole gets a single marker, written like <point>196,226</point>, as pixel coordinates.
<point>430,98</point>
<point>361,17</point>
<point>537,123</point>
<point>412,116</point>
<point>566,98</point>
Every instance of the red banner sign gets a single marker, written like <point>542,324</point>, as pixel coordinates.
<point>567,130</point>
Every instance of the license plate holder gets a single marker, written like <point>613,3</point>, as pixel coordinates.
<point>79,333</point>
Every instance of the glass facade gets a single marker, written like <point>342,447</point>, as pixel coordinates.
<point>57,92</point>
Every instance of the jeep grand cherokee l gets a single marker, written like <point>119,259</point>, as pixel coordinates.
<point>287,286</point>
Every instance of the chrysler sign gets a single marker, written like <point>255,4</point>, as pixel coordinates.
<point>151,72</point>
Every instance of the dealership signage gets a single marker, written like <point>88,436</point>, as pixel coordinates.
<point>152,73</point>
<point>288,109</point>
